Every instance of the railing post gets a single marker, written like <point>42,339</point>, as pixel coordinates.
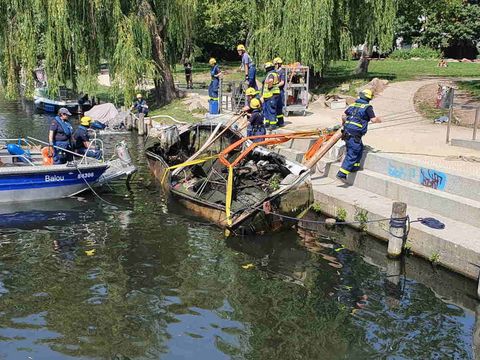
<point>450,113</point>
<point>475,123</point>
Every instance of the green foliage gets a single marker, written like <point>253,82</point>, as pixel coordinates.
<point>219,25</point>
<point>434,258</point>
<point>274,182</point>
<point>421,52</point>
<point>361,216</point>
<point>137,39</point>
<point>472,87</point>
<point>341,214</point>
<point>316,207</point>
<point>315,32</point>
<point>438,24</point>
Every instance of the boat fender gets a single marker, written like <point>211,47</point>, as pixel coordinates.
<point>14,149</point>
<point>46,160</point>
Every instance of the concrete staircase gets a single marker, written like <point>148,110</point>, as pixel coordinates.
<point>452,198</point>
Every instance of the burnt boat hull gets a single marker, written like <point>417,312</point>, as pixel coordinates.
<point>271,215</point>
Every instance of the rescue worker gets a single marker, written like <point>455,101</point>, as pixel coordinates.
<point>248,66</point>
<point>250,94</point>
<point>278,62</point>
<point>214,86</point>
<point>255,122</point>
<point>59,137</point>
<point>355,125</point>
<point>81,140</point>
<point>140,105</point>
<point>188,74</point>
<point>270,93</point>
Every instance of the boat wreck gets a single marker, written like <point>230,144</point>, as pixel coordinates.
<point>226,178</point>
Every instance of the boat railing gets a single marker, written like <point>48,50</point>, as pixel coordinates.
<point>19,141</point>
<point>83,157</point>
<point>23,156</point>
<point>93,146</point>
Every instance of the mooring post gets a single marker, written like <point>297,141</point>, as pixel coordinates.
<point>128,122</point>
<point>475,124</point>
<point>398,227</point>
<point>148,125</point>
<point>141,124</point>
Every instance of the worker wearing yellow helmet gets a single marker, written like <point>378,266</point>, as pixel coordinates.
<point>278,62</point>
<point>140,105</point>
<point>355,125</point>
<point>248,66</point>
<point>270,93</point>
<point>81,140</point>
<point>250,94</point>
<point>256,127</point>
<point>213,88</point>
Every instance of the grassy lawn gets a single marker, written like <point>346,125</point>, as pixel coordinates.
<point>472,86</point>
<point>394,70</point>
<point>176,109</point>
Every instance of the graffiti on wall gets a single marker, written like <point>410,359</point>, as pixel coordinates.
<point>427,177</point>
<point>433,179</point>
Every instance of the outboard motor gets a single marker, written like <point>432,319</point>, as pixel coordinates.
<point>122,152</point>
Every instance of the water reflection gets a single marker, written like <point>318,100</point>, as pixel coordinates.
<point>141,279</point>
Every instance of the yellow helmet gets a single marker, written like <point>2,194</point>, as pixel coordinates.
<point>366,94</point>
<point>268,64</point>
<point>139,96</point>
<point>250,91</point>
<point>278,60</point>
<point>212,61</point>
<point>85,121</point>
<point>255,103</point>
<point>241,48</point>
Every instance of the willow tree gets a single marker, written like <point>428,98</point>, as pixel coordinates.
<point>139,39</point>
<point>315,32</point>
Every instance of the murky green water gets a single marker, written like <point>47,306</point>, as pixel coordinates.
<point>143,280</point>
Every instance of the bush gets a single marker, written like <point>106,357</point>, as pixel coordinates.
<point>421,52</point>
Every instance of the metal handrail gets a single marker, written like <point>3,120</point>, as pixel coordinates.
<point>92,142</point>
<point>18,156</point>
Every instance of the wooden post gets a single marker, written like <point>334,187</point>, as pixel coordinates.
<point>475,124</point>
<point>149,125</point>
<point>129,122</point>
<point>394,270</point>
<point>323,149</point>
<point>397,229</point>
<point>141,124</point>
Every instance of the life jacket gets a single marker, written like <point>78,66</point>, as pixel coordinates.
<point>281,76</point>
<point>269,92</point>
<point>66,127</point>
<point>357,118</point>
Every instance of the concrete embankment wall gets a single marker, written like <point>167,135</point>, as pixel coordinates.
<point>453,199</point>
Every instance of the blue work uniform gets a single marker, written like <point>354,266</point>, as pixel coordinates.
<point>281,97</point>
<point>270,97</point>
<point>255,125</point>
<point>252,70</point>
<point>141,106</point>
<point>213,90</point>
<point>79,138</point>
<point>358,115</point>
<point>62,135</point>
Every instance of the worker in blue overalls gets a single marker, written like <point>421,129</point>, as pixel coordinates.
<point>270,93</point>
<point>81,140</point>
<point>255,122</point>
<point>214,86</point>
<point>355,125</point>
<point>140,105</point>
<point>60,136</point>
<point>248,66</point>
<point>281,84</point>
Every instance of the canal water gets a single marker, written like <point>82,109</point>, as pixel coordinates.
<point>140,278</point>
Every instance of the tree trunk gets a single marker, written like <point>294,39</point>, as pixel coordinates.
<point>164,86</point>
<point>362,67</point>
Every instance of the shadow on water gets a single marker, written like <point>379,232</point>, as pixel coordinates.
<point>83,279</point>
